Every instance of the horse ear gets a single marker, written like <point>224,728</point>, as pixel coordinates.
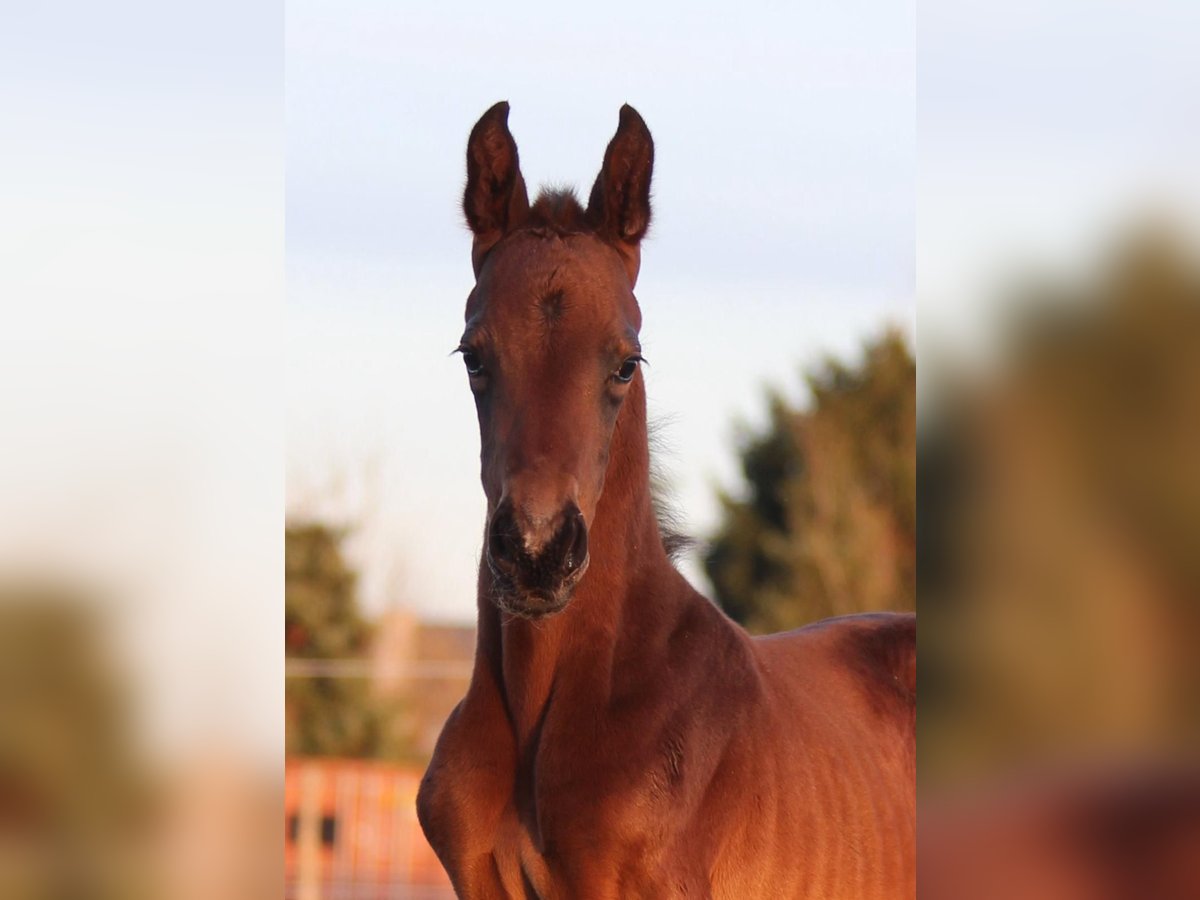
<point>619,207</point>
<point>495,199</point>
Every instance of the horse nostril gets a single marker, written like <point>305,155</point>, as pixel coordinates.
<point>577,548</point>
<point>497,547</point>
<point>504,542</point>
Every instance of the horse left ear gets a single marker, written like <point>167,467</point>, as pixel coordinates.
<point>619,207</point>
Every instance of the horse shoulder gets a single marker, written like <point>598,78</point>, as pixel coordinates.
<point>844,691</point>
<point>465,791</point>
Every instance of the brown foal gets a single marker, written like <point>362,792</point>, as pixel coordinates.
<point>621,737</point>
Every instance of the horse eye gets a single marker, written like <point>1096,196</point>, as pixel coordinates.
<point>473,363</point>
<point>625,373</point>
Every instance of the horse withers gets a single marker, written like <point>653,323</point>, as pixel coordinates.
<point>621,737</point>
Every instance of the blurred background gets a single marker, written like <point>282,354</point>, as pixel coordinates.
<point>141,440</point>
<point>141,447</point>
<point>150,537</point>
<point>1059,450</point>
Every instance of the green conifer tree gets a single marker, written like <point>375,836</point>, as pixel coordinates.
<point>826,523</point>
<point>325,716</point>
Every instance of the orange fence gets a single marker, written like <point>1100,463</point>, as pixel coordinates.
<point>352,833</point>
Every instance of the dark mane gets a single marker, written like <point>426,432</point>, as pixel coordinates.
<point>558,210</point>
<point>676,541</point>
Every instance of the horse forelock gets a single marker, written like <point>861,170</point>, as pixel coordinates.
<point>559,212</point>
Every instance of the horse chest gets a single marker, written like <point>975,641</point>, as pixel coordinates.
<point>523,869</point>
<point>524,833</point>
<point>551,832</point>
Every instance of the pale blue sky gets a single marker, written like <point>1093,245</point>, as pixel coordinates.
<point>1045,128</point>
<point>783,230</point>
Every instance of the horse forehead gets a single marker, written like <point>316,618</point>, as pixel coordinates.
<point>534,268</point>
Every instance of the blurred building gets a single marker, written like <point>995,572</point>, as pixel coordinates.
<point>352,829</point>
<point>425,668</point>
<point>352,832</point>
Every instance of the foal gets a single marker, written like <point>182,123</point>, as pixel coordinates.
<point>621,737</point>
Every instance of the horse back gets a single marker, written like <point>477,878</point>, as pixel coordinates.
<point>872,656</point>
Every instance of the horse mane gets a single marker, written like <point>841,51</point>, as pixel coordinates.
<point>677,542</point>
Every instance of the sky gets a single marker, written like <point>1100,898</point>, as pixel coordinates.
<point>783,231</point>
<point>1046,130</point>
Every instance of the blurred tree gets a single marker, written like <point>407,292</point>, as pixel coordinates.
<point>325,716</point>
<point>827,523</point>
<point>1060,515</point>
<point>75,800</point>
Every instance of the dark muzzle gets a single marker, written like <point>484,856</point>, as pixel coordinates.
<point>539,581</point>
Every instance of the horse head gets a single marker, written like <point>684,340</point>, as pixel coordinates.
<point>551,350</point>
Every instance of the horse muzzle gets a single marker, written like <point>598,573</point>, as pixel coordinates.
<point>536,570</point>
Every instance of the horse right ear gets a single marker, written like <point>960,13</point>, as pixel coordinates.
<point>619,206</point>
<point>495,200</point>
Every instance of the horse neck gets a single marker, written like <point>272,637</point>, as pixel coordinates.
<point>573,650</point>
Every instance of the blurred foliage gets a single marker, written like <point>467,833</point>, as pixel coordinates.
<point>325,715</point>
<point>1060,526</point>
<point>73,796</point>
<point>827,525</point>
